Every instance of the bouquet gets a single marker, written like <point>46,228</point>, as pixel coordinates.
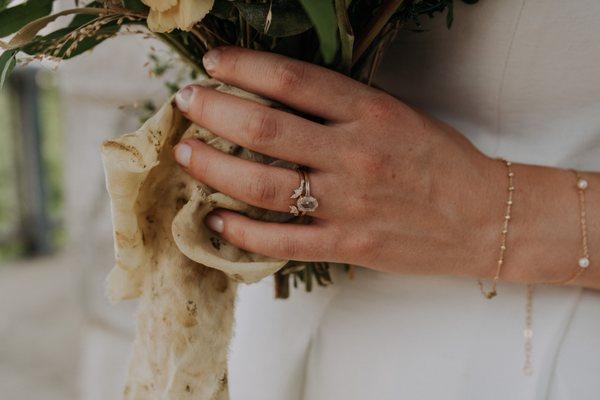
<point>184,274</point>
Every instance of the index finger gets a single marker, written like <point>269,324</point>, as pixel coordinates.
<point>305,87</point>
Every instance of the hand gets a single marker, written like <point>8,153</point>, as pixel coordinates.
<point>398,191</point>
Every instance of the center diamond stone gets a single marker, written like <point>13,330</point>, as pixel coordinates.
<point>307,204</point>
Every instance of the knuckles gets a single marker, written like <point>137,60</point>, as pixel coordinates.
<point>289,76</point>
<point>286,248</point>
<point>262,190</point>
<point>201,166</point>
<point>200,106</point>
<point>236,234</point>
<point>261,127</point>
<point>379,106</point>
<point>368,165</point>
<point>229,61</point>
<point>358,245</point>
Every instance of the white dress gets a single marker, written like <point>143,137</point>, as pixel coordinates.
<point>521,79</point>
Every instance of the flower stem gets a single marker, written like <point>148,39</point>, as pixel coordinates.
<point>182,51</point>
<point>386,11</point>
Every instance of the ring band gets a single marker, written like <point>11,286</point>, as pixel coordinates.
<point>305,203</point>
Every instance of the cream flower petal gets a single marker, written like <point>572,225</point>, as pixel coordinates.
<point>192,11</point>
<point>162,21</point>
<point>160,5</point>
<point>183,15</point>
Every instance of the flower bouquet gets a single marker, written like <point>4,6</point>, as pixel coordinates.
<point>184,274</point>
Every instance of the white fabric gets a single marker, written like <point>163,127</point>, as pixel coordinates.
<point>521,79</point>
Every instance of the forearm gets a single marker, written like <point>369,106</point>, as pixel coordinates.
<point>544,241</point>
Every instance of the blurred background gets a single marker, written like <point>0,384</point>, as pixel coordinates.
<point>59,337</point>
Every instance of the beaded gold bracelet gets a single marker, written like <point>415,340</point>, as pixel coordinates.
<point>503,236</point>
<point>584,261</point>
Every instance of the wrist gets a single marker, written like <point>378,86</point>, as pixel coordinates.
<point>551,235</point>
<point>546,233</point>
<point>488,209</point>
<point>544,236</point>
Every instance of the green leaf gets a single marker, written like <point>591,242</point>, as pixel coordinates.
<point>14,18</point>
<point>27,33</point>
<point>322,15</point>
<point>82,19</point>
<point>287,17</point>
<point>90,42</point>
<point>346,35</point>
<point>7,65</point>
<point>43,43</point>
<point>450,16</point>
<point>135,5</point>
<point>224,9</point>
<point>4,4</point>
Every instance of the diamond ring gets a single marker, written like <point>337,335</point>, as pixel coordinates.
<point>305,203</point>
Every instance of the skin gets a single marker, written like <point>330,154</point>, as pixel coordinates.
<point>399,191</point>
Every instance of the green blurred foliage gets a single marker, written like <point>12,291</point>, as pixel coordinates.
<point>52,160</point>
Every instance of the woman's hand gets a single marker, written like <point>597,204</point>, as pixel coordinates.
<point>398,191</point>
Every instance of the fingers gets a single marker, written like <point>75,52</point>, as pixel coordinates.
<point>260,128</point>
<point>302,86</point>
<point>282,241</point>
<point>257,184</point>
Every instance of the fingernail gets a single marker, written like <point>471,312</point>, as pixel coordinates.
<point>211,59</point>
<point>183,98</point>
<point>215,223</point>
<point>183,153</point>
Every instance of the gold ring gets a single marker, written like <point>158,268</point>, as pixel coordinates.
<point>305,203</point>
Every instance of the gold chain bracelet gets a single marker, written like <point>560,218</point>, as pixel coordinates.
<point>583,264</point>
<point>503,236</point>
<point>584,261</point>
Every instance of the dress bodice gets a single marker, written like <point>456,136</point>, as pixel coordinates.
<point>521,79</point>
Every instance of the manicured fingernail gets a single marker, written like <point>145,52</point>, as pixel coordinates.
<point>211,59</point>
<point>183,153</point>
<point>215,223</point>
<point>183,98</point>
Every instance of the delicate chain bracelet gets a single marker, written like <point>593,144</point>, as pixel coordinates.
<point>583,264</point>
<point>507,216</point>
<point>584,261</point>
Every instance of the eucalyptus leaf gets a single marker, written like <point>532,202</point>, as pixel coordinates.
<point>287,17</point>
<point>322,14</point>
<point>14,18</point>
<point>8,62</point>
